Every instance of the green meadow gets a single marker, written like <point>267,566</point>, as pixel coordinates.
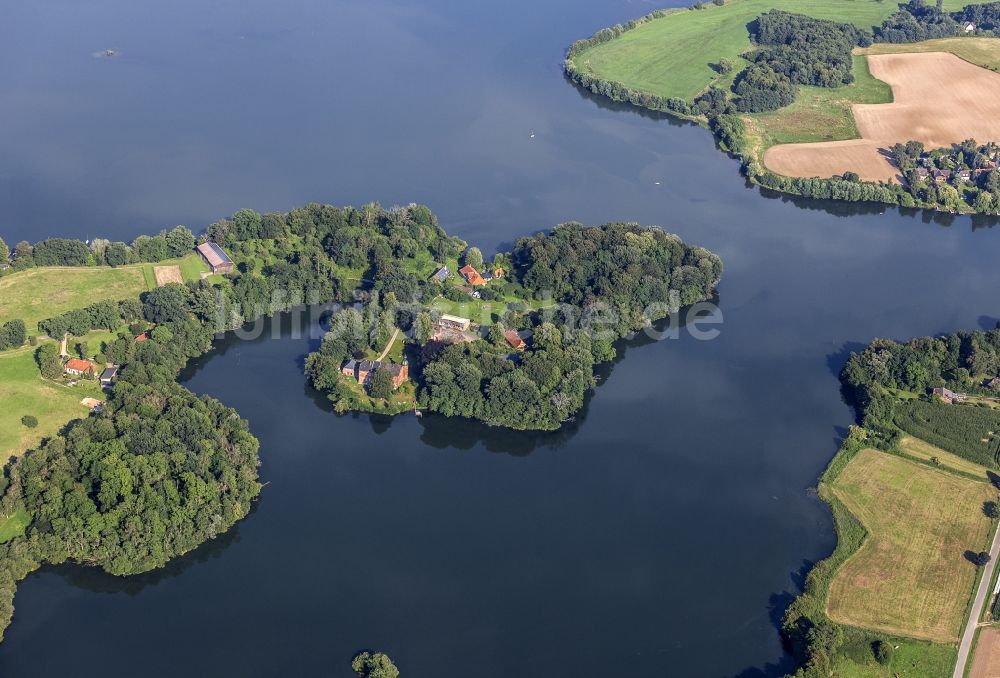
<point>673,56</point>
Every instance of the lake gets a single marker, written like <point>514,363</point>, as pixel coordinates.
<point>661,533</point>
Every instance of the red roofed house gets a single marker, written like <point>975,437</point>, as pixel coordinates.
<point>472,276</point>
<point>78,367</point>
<point>142,337</point>
<point>514,339</point>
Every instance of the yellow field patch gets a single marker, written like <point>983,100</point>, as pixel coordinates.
<point>939,99</point>
<point>911,576</point>
<point>923,450</point>
<point>168,274</point>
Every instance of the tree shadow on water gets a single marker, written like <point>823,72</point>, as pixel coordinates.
<point>606,104</point>
<point>96,580</point>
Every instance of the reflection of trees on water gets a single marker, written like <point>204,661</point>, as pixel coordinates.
<point>607,104</point>
<point>96,580</point>
<point>842,208</point>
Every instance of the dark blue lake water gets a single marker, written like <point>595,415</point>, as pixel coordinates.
<point>661,534</point>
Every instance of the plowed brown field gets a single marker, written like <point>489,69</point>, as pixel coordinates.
<point>938,99</point>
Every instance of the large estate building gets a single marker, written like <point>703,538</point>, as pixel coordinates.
<point>362,370</point>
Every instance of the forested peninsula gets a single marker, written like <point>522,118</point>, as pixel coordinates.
<point>777,76</point>
<point>155,470</point>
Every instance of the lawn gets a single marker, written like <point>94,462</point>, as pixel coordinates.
<point>673,56</point>
<point>983,52</point>
<point>14,526</point>
<point>819,113</point>
<point>911,658</point>
<point>23,391</point>
<point>910,577</point>
<point>40,293</point>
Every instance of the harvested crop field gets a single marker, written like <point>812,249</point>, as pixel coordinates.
<point>986,663</point>
<point>168,274</point>
<point>910,577</point>
<point>939,99</point>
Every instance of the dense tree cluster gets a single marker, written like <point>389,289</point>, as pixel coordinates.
<point>794,49</point>
<point>374,665</point>
<point>962,361</point>
<point>102,315</point>
<point>916,21</point>
<point>628,268</point>
<point>12,334</point>
<point>541,391</point>
<point>986,17</point>
<point>61,252</point>
<point>604,282</point>
<point>100,252</point>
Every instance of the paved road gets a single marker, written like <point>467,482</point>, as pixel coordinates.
<point>982,595</point>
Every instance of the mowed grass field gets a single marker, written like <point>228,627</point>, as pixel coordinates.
<point>673,55</point>
<point>23,391</point>
<point>915,447</point>
<point>910,577</point>
<point>40,293</point>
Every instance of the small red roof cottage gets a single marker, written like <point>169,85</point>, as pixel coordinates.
<point>77,366</point>
<point>142,337</point>
<point>514,339</point>
<point>472,276</point>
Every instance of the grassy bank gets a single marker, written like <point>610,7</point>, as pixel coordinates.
<point>674,55</point>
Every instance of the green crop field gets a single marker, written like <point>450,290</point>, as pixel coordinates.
<point>672,56</point>
<point>971,432</point>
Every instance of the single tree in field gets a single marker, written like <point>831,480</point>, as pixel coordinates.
<point>991,509</point>
<point>381,384</point>
<point>374,665</point>
<point>29,421</point>
<point>49,362</point>
<point>882,651</point>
